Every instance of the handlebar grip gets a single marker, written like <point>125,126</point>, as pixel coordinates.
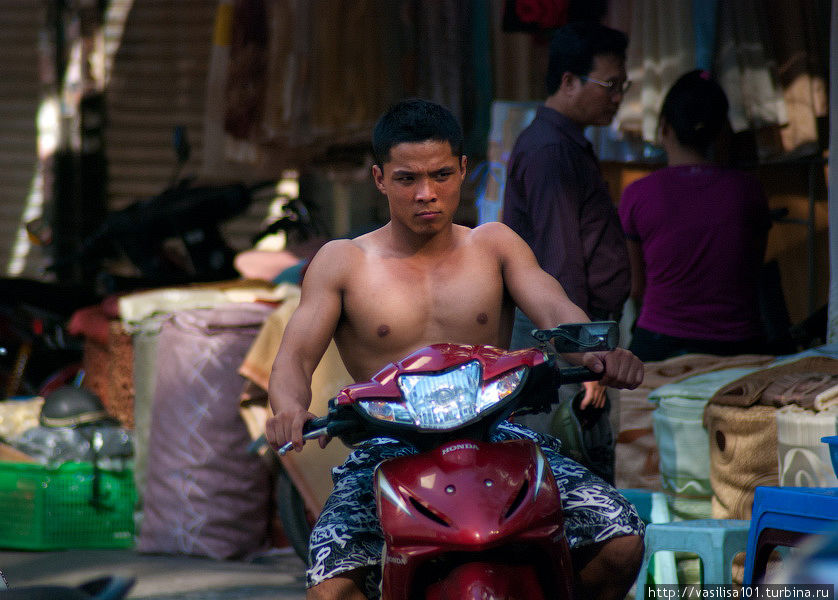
<point>578,375</point>
<point>316,423</point>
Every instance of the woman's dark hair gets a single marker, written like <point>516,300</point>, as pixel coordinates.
<point>415,120</point>
<point>696,109</point>
<point>574,46</point>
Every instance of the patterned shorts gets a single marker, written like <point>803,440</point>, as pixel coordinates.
<point>347,534</point>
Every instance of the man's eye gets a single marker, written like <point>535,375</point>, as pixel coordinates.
<point>443,176</point>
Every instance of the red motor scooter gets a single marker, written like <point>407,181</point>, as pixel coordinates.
<point>465,517</point>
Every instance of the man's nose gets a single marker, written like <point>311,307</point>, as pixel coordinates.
<point>425,190</point>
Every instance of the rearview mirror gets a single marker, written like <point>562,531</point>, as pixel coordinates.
<point>581,337</point>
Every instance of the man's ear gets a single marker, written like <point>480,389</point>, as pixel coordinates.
<point>568,80</point>
<point>378,178</point>
<point>463,162</point>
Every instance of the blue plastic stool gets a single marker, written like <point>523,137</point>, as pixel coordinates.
<point>782,516</point>
<point>716,541</point>
<point>650,505</point>
<point>653,508</point>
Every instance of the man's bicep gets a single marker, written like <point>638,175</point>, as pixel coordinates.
<point>313,323</point>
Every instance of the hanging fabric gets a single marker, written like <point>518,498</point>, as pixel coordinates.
<point>661,48</point>
<point>519,60</point>
<point>745,67</point>
<point>247,70</point>
<point>797,41</point>
<point>534,15</point>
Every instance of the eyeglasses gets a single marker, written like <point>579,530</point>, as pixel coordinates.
<point>612,85</point>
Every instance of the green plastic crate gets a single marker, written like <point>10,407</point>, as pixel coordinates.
<point>54,509</point>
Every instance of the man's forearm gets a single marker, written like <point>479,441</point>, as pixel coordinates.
<point>289,385</point>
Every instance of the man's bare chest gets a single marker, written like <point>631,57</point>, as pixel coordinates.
<point>397,304</point>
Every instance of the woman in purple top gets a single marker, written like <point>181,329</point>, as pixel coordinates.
<point>696,236</point>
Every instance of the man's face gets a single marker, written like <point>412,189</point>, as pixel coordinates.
<point>422,183</point>
<point>596,104</point>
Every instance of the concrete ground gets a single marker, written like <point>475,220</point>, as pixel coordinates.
<point>278,576</point>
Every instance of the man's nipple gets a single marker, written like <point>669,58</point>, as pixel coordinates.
<point>482,318</point>
<point>383,330</point>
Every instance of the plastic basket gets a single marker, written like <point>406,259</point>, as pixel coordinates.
<point>69,507</point>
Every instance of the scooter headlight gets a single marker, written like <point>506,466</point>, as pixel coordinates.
<point>446,400</point>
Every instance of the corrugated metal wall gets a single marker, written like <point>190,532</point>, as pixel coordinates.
<point>20,23</point>
<point>158,80</point>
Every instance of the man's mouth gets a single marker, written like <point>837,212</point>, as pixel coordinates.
<point>428,214</point>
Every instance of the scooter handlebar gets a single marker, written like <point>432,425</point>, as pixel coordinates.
<point>334,425</point>
<point>315,428</point>
<point>577,375</point>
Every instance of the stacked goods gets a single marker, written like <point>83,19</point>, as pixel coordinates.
<point>683,443</point>
<point>803,460</point>
<point>142,315</point>
<point>310,469</point>
<point>65,476</point>
<point>636,450</point>
<point>743,427</point>
<point>743,455</point>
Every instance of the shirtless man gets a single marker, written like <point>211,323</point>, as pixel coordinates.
<point>420,280</point>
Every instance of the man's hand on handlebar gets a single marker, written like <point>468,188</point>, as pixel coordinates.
<point>287,426</point>
<point>619,367</point>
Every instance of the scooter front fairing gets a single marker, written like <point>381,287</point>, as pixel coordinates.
<point>472,517</point>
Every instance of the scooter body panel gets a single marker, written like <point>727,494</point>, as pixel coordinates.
<point>436,358</point>
<point>482,580</point>
<point>469,502</point>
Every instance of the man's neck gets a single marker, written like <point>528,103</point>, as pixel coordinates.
<point>561,104</point>
<point>407,243</point>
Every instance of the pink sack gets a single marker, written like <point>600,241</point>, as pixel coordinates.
<point>205,494</point>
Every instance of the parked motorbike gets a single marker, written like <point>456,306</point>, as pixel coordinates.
<point>37,354</point>
<point>173,238</point>
<point>170,239</point>
<point>466,517</point>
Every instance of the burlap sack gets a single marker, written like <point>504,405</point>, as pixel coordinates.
<point>743,455</point>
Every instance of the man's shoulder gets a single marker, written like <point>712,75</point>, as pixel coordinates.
<point>541,133</point>
<point>336,256</point>
<point>494,234</point>
<point>541,145</point>
<point>491,230</point>
<point>339,247</point>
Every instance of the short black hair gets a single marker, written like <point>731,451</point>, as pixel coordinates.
<point>574,46</point>
<point>696,109</point>
<point>415,120</point>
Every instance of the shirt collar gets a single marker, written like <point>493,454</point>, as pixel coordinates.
<point>566,125</point>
